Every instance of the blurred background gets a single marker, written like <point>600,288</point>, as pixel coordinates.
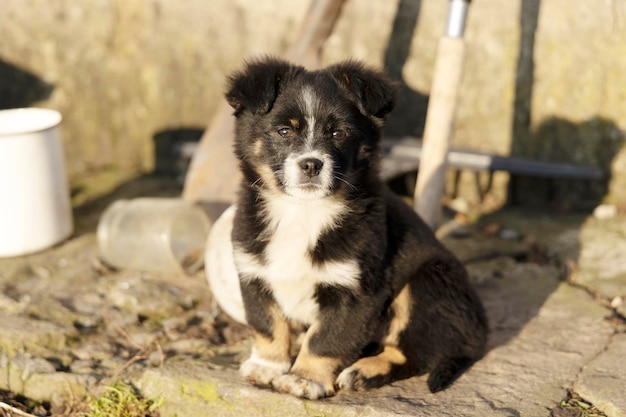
<point>543,78</point>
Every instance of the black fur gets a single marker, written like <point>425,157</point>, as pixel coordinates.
<point>392,247</point>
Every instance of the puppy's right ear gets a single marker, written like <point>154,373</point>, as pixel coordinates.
<point>256,86</point>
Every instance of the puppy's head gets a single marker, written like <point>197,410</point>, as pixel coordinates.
<point>308,133</point>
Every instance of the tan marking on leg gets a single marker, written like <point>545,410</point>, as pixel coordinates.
<point>320,369</point>
<point>270,355</point>
<point>276,348</point>
<point>362,372</point>
<point>401,307</point>
<point>311,376</point>
<point>317,368</point>
<point>380,364</point>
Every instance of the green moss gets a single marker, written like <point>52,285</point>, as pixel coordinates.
<point>574,405</point>
<point>203,391</point>
<point>309,407</point>
<point>121,400</point>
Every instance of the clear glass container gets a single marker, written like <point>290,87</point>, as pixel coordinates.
<point>153,234</point>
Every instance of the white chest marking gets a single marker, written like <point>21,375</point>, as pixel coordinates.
<point>294,229</point>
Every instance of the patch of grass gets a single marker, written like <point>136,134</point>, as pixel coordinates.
<point>574,406</point>
<point>121,400</point>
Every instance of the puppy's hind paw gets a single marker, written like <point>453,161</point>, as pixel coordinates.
<point>347,378</point>
<point>370,372</point>
<point>301,387</point>
<point>352,378</point>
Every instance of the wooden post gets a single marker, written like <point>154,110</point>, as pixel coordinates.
<point>213,175</point>
<point>430,184</point>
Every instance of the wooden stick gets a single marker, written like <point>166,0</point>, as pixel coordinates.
<point>430,185</point>
<point>213,175</point>
<point>13,410</point>
<point>438,130</point>
<point>316,28</point>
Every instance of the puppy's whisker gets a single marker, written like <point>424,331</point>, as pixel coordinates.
<point>258,186</point>
<point>341,176</point>
<point>351,186</point>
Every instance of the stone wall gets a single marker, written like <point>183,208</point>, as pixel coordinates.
<point>545,79</point>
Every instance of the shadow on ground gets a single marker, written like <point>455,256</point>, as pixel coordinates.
<point>93,193</point>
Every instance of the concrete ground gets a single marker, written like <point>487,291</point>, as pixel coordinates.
<point>553,286</point>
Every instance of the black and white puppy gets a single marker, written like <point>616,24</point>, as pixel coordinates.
<point>320,241</point>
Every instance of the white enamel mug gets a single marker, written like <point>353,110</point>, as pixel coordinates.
<point>35,210</point>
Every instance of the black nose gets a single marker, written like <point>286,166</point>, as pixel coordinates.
<point>311,166</point>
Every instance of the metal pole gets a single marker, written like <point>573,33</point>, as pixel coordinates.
<point>213,175</point>
<point>457,16</point>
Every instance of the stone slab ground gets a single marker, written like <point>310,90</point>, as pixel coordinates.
<point>553,291</point>
<point>526,375</point>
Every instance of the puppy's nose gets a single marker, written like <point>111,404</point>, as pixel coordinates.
<point>311,166</point>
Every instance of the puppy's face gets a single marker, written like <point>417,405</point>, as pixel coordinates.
<point>308,134</point>
<point>310,140</point>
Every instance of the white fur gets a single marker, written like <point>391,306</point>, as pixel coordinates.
<point>300,387</point>
<point>294,228</point>
<point>346,378</point>
<point>293,174</point>
<point>296,183</point>
<point>262,371</point>
<point>309,103</point>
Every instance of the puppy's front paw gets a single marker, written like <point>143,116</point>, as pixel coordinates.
<point>262,372</point>
<point>301,387</point>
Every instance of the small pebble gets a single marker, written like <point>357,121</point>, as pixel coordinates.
<point>174,323</point>
<point>605,211</point>
<point>617,302</point>
<point>87,324</point>
<point>459,205</point>
<point>93,351</point>
<point>460,232</point>
<point>156,358</point>
<point>82,366</point>
<point>510,234</point>
<point>492,229</point>
<point>188,346</point>
<point>143,339</point>
<point>42,272</point>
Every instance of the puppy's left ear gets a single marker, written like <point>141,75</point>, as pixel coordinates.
<point>373,91</point>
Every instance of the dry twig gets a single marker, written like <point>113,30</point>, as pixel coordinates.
<point>14,411</point>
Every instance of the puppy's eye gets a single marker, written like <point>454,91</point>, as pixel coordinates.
<point>285,132</point>
<point>339,134</point>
